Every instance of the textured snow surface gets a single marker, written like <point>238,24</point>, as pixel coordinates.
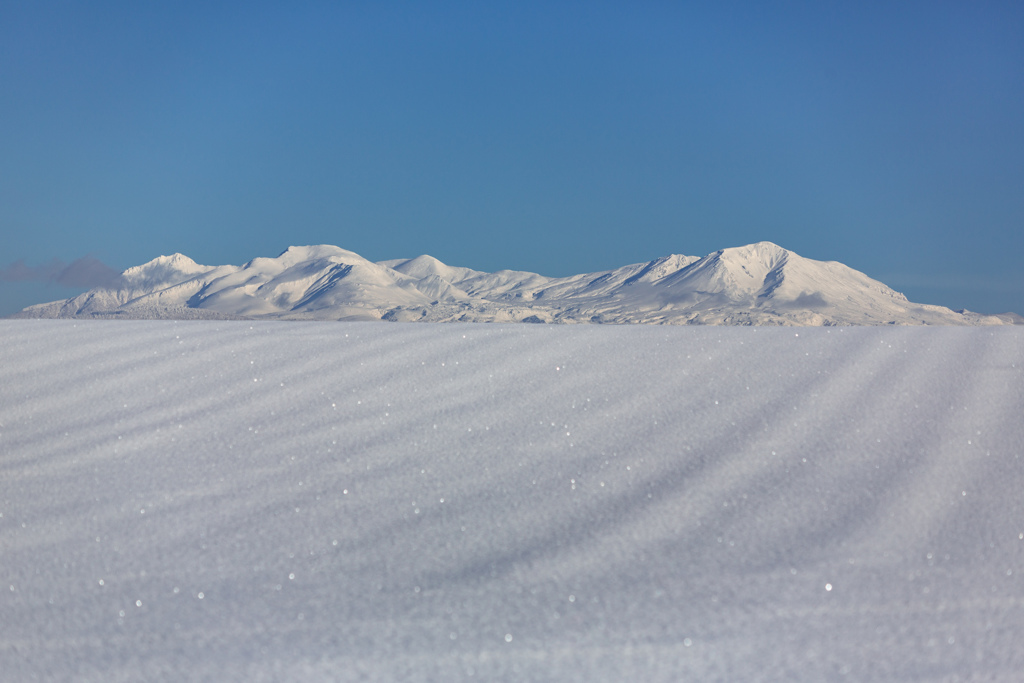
<point>236,501</point>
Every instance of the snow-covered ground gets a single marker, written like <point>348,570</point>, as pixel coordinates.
<point>236,501</point>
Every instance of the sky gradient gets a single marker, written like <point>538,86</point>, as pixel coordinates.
<point>552,137</point>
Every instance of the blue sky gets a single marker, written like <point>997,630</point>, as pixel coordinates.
<point>557,137</point>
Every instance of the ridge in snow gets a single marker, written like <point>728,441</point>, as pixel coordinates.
<point>756,284</point>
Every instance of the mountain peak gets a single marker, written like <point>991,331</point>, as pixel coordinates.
<point>317,251</point>
<point>766,253</point>
<point>425,266</point>
<point>175,260</point>
<point>422,265</point>
<point>163,270</point>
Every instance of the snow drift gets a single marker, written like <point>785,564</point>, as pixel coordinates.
<point>239,501</point>
<point>759,284</point>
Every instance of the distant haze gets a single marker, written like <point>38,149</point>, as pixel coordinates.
<point>85,272</point>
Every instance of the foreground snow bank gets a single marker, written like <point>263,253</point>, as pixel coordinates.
<point>318,501</point>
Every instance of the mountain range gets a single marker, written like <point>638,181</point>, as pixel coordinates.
<point>757,284</point>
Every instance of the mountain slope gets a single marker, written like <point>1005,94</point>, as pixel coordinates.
<point>757,284</point>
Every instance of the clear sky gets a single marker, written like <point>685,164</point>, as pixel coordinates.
<point>556,137</point>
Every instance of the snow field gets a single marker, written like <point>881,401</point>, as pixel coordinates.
<point>278,501</point>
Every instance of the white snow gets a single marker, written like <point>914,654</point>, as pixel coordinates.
<point>303,501</point>
<point>758,284</point>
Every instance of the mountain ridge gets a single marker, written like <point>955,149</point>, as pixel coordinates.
<point>755,284</point>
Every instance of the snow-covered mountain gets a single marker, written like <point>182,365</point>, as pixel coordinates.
<point>758,284</point>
